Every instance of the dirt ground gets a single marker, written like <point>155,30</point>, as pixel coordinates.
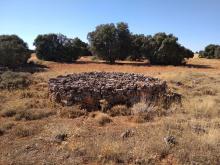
<point>33,130</point>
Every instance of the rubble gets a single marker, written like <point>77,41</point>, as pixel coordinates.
<point>90,89</point>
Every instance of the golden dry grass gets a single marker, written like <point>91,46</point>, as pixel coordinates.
<point>96,138</point>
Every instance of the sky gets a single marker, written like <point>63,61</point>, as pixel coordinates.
<point>195,22</point>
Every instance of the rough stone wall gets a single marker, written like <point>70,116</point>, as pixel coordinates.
<point>89,89</point>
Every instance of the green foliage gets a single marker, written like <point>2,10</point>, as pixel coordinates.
<point>124,37</point>
<point>13,51</point>
<point>57,47</point>
<point>140,46</point>
<point>104,42</point>
<point>110,42</point>
<point>217,52</point>
<point>211,51</point>
<point>84,47</point>
<point>167,51</point>
<point>160,49</point>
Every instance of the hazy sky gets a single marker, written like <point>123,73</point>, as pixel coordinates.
<point>195,22</point>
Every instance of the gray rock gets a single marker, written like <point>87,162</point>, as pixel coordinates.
<point>115,88</point>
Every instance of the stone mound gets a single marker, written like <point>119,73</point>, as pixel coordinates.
<point>89,89</point>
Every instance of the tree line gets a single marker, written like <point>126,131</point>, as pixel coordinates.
<point>109,42</point>
<point>211,51</point>
<point>115,42</point>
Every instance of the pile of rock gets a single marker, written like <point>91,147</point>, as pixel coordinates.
<point>89,89</point>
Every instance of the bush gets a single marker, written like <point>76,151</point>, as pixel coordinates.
<point>137,51</point>
<point>111,42</point>
<point>165,50</point>
<point>13,51</point>
<point>56,47</point>
<point>84,47</point>
<point>13,80</point>
<point>211,51</point>
<point>124,38</point>
<point>104,42</point>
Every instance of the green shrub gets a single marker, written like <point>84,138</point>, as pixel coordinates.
<point>14,80</point>
<point>57,47</point>
<point>165,50</point>
<point>82,46</point>
<point>13,51</point>
<point>211,51</point>
<point>104,42</point>
<point>111,43</point>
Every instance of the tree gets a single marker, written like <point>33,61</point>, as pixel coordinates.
<point>13,51</point>
<point>124,37</point>
<point>84,47</point>
<point>211,51</point>
<point>104,42</point>
<point>165,50</point>
<point>217,52</point>
<point>139,46</point>
<point>111,42</point>
<point>56,47</point>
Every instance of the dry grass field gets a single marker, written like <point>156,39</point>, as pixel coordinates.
<point>33,130</point>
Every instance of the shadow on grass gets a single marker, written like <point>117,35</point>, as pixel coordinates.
<point>29,67</point>
<point>116,63</point>
<point>199,66</point>
<point>145,63</point>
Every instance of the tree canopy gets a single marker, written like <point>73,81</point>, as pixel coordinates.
<point>13,51</point>
<point>57,47</point>
<point>112,42</point>
<point>104,42</point>
<point>165,50</point>
<point>210,51</point>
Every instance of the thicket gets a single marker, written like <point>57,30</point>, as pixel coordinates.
<point>57,47</point>
<point>112,42</point>
<point>13,51</point>
<point>210,51</point>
